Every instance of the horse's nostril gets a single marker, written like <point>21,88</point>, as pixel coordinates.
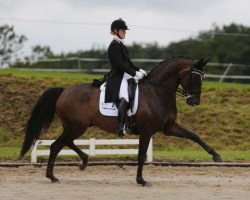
<point>195,103</point>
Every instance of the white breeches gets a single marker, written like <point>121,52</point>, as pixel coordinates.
<point>124,87</point>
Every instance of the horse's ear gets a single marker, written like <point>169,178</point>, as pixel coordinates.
<point>201,60</point>
<point>206,61</point>
<point>202,63</point>
<point>198,63</point>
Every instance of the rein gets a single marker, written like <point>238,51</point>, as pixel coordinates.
<point>179,91</point>
<point>186,92</point>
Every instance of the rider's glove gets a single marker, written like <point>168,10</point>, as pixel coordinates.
<point>136,79</point>
<point>143,71</point>
<point>139,75</point>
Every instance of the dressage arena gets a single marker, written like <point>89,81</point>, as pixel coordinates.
<point>118,182</point>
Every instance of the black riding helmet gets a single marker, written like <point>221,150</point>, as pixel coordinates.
<point>118,24</point>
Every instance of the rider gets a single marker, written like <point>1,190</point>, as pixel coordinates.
<point>122,69</point>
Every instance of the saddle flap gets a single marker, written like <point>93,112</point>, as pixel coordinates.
<point>110,109</point>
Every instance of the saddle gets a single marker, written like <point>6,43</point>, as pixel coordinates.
<point>98,82</point>
<point>110,109</point>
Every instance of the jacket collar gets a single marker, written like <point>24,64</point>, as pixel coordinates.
<point>116,38</point>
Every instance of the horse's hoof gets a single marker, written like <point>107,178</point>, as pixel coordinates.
<point>143,183</point>
<point>52,178</point>
<point>82,167</point>
<point>147,184</point>
<point>217,159</point>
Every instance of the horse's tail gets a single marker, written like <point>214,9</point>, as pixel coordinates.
<point>41,118</point>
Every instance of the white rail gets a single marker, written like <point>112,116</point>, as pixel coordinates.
<point>81,68</point>
<point>92,151</point>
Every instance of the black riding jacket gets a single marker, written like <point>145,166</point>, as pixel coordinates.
<point>120,63</point>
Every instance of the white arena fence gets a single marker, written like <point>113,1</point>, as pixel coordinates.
<point>92,150</point>
<point>80,67</point>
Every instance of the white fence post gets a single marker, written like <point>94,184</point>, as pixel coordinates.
<point>150,151</point>
<point>92,147</point>
<point>34,153</point>
<point>225,72</point>
<point>79,63</point>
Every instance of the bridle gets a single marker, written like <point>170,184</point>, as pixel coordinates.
<point>186,92</point>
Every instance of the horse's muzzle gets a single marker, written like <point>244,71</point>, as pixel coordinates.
<point>191,101</point>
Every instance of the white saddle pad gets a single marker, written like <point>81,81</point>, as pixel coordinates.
<point>110,109</point>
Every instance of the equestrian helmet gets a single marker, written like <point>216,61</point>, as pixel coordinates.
<point>118,24</point>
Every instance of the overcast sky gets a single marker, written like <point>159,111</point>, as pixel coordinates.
<point>85,24</point>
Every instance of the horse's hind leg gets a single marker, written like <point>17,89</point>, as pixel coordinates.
<point>176,130</point>
<point>55,148</point>
<point>82,155</point>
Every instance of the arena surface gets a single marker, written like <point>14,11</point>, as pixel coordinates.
<point>114,182</point>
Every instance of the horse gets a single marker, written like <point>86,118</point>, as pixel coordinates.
<point>77,107</point>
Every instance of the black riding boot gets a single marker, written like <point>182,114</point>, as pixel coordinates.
<point>122,114</point>
<point>131,92</point>
<point>132,128</point>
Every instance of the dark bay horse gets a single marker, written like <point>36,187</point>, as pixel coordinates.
<point>78,108</point>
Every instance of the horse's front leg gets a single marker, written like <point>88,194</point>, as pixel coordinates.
<point>143,146</point>
<point>176,130</point>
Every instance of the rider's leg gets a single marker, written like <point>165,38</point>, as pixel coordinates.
<point>123,107</point>
<point>131,91</point>
<point>122,115</point>
<point>132,128</point>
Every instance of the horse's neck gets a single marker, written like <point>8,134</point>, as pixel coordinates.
<point>160,100</point>
<point>167,74</point>
<point>161,88</point>
<point>166,77</point>
<point>164,81</point>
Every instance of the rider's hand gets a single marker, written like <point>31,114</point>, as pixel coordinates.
<point>139,75</point>
<point>143,71</point>
<point>136,79</point>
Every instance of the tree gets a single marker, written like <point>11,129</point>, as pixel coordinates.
<point>10,43</point>
<point>41,52</point>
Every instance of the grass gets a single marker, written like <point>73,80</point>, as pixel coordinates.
<point>214,85</point>
<point>195,155</point>
<point>9,152</point>
<point>173,155</point>
<point>43,74</point>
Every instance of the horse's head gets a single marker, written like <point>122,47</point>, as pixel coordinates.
<point>182,71</point>
<point>191,81</point>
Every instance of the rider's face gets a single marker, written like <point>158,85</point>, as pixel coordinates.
<point>121,33</point>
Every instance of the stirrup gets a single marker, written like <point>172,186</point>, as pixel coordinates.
<point>132,129</point>
<point>121,130</point>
